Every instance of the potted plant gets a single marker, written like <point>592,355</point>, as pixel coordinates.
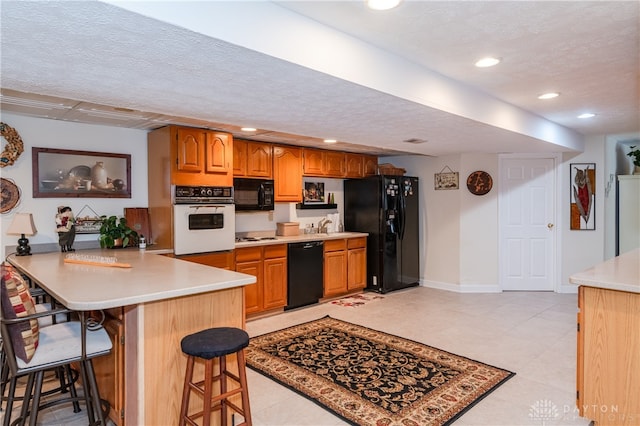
<point>635,154</point>
<point>114,232</point>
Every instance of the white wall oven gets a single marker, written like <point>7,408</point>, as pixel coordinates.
<point>203,219</point>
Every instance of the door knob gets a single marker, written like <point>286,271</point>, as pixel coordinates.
<point>549,225</point>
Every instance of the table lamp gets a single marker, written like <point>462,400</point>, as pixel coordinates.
<point>22,225</point>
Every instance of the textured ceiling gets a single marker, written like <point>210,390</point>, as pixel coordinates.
<point>303,71</point>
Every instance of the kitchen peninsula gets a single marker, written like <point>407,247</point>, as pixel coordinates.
<point>608,370</point>
<point>160,300</point>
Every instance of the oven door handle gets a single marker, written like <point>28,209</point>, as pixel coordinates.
<point>202,206</point>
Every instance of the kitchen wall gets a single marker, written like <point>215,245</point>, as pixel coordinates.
<point>37,132</point>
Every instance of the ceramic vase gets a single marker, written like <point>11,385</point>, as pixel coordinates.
<point>99,175</point>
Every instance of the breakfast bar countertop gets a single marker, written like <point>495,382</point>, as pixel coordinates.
<point>619,273</point>
<point>151,277</point>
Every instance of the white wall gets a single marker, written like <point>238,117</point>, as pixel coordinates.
<point>582,249</point>
<point>43,133</point>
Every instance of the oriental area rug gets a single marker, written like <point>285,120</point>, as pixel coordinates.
<point>356,300</point>
<point>372,378</point>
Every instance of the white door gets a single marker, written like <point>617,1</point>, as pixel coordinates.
<point>527,229</point>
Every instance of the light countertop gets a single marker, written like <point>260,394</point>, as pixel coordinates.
<point>620,273</point>
<point>152,277</point>
<point>301,238</point>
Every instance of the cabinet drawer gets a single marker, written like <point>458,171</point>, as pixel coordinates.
<point>359,242</point>
<point>335,245</point>
<point>248,254</point>
<point>274,251</point>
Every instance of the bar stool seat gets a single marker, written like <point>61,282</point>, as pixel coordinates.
<point>210,345</point>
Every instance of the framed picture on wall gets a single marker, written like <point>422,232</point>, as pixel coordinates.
<point>63,173</point>
<point>583,196</point>
<point>313,192</point>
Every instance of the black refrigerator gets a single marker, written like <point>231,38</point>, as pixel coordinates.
<point>387,208</point>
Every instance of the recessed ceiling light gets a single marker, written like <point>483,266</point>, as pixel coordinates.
<point>549,95</point>
<point>487,62</point>
<point>330,141</point>
<point>587,115</point>
<point>248,129</point>
<point>382,4</point>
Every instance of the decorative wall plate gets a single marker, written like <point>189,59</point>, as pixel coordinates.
<point>479,182</point>
<point>10,195</point>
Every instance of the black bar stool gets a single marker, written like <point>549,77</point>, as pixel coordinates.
<point>209,345</point>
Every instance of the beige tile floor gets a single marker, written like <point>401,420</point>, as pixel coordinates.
<point>531,334</point>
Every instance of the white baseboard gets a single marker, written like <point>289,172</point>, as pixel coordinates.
<point>568,288</point>
<point>464,288</point>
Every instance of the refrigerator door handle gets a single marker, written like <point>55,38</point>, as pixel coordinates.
<point>401,216</point>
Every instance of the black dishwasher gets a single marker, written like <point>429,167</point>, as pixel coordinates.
<point>305,273</point>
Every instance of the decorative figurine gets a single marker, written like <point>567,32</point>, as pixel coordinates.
<point>66,228</point>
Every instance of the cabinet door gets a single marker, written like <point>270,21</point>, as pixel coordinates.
<point>223,260</point>
<point>109,371</point>
<point>335,273</point>
<point>355,165</point>
<point>190,149</point>
<point>314,160</point>
<point>357,268</point>
<point>252,293</point>
<point>275,283</point>
<point>334,164</point>
<point>370,165</point>
<point>287,174</point>
<point>259,160</point>
<point>219,157</point>
<point>239,157</point>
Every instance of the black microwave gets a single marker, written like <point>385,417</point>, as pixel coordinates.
<point>253,194</point>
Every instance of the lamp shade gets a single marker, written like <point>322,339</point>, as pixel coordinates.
<point>22,224</point>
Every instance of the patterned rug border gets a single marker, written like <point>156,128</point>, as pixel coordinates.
<point>455,417</point>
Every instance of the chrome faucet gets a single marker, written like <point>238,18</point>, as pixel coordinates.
<point>322,225</point>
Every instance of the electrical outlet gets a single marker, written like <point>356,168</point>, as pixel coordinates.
<point>270,215</point>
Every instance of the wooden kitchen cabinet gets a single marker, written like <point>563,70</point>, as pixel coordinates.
<point>109,369</point>
<point>319,162</point>
<point>313,162</point>
<point>608,356</point>
<point>354,165</point>
<point>221,259</point>
<point>370,165</point>
<point>252,159</point>
<point>191,156</point>
<point>269,265</point>
<point>356,263</point>
<point>287,173</point>
<point>335,267</point>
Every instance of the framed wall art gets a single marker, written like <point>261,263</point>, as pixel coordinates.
<point>313,192</point>
<point>85,174</point>
<point>583,208</point>
<point>446,180</point>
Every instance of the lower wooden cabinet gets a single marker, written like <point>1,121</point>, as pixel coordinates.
<point>356,263</point>
<point>109,369</point>
<point>608,356</point>
<point>221,259</point>
<point>269,265</point>
<point>335,267</point>
<point>345,266</point>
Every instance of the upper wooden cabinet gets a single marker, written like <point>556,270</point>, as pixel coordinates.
<point>287,173</point>
<point>370,165</point>
<point>195,156</point>
<point>318,162</point>
<point>252,159</point>
<point>355,165</point>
